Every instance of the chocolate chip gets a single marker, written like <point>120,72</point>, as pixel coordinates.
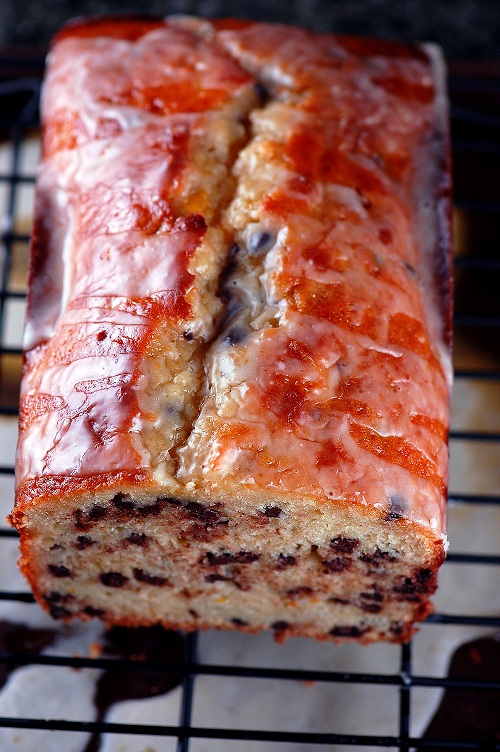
<point>154,509</point>
<point>91,611</point>
<point>261,242</point>
<point>341,601</point>
<point>377,557</point>
<point>59,570</point>
<point>236,335</point>
<point>189,336</point>
<point>123,502</point>
<point>224,293</point>
<point>150,579</point>
<point>344,545</point>
<point>234,302</point>
<point>101,335</point>
<point>348,631</point>
<point>56,597</point>
<point>284,562</point>
<point>198,511</point>
<point>238,622</point>
<point>261,91</point>
<point>84,520</point>
<point>217,578</point>
<point>397,507</point>
<point>96,513</point>
<point>113,579</point>
<point>340,564</point>
<point>371,608</point>
<point>280,625</point>
<point>273,511</point>
<point>242,557</point>
<point>373,596</point>
<point>424,575</point>
<point>422,582</point>
<point>299,592</point>
<point>59,612</point>
<point>171,500</point>
<point>83,541</point>
<point>396,628</point>
<point>138,539</point>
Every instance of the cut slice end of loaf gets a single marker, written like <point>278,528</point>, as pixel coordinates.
<point>133,558</point>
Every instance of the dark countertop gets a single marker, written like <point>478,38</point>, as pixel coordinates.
<point>464,28</point>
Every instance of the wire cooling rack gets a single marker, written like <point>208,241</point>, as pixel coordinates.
<point>238,673</point>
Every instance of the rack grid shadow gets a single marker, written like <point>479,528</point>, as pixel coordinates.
<point>195,666</point>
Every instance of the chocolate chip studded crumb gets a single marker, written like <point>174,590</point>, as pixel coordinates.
<point>280,626</point>
<point>273,511</point>
<point>348,631</point>
<point>375,595</point>
<point>113,579</point>
<point>217,578</point>
<point>83,541</point>
<point>396,629</point>
<point>91,611</point>
<point>421,583</point>
<point>241,557</point>
<point>340,564</point>
<point>171,500</point>
<point>58,570</point>
<point>284,562</point>
<point>150,579</point>
<point>138,539</point>
<point>300,592</point>
<point>344,545</point>
<point>85,520</point>
<point>197,511</point>
<point>123,501</point>
<point>59,612</point>
<point>152,510</point>
<point>56,597</point>
<point>377,557</point>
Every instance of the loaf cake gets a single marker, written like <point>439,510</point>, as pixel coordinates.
<point>235,397</point>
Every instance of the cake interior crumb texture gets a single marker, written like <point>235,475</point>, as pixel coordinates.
<point>235,398</point>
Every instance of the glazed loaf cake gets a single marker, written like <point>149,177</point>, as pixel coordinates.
<point>235,398</point>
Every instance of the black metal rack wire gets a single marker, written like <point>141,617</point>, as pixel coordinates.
<point>476,145</point>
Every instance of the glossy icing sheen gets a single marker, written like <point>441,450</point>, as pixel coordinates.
<point>327,376</point>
